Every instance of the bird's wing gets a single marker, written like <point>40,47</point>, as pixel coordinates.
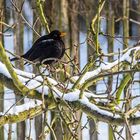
<point>36,43</point>
<point>39,48</point>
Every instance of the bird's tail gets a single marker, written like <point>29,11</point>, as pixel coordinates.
<point>13,59</point>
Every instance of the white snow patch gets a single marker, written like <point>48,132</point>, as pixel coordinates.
<point>86,102</point>
<point>42,89</point>
<point>4,70</point>
<point>15,110</point>
<point>107,66</point>
<point>34,77</point>
<point>72,96</point>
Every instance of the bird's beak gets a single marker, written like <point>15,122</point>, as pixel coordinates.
<point>62,34</point>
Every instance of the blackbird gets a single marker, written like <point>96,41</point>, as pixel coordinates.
<point>47,49</point>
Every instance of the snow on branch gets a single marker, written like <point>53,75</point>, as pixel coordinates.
<point>130,56</point>
<point>21,112</point>
<point>72,96</point>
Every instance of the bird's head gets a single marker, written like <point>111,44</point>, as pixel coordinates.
<point>57,34</point>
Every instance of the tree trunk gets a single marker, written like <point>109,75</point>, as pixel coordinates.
<point>36,22</point>
<point>1,85</point>
<point>74,33</point>
<point>125,41</point>
<point>18,49</point>
<point>74,46</point>
<point>93,124</point>
<point>110,31</point>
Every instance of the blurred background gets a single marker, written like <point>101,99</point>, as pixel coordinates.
<point>117,27</point>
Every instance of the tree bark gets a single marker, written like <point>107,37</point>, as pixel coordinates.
<point>73,10</point>
<point>18,49</point>
<point>36,22</point>
<point>127,94</point>
<point>1,85</point>
<point>110,31</point>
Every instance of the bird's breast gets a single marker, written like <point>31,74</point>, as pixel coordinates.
<point>59,49</point>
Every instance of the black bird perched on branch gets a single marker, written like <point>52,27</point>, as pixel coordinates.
<point>47,49</point>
